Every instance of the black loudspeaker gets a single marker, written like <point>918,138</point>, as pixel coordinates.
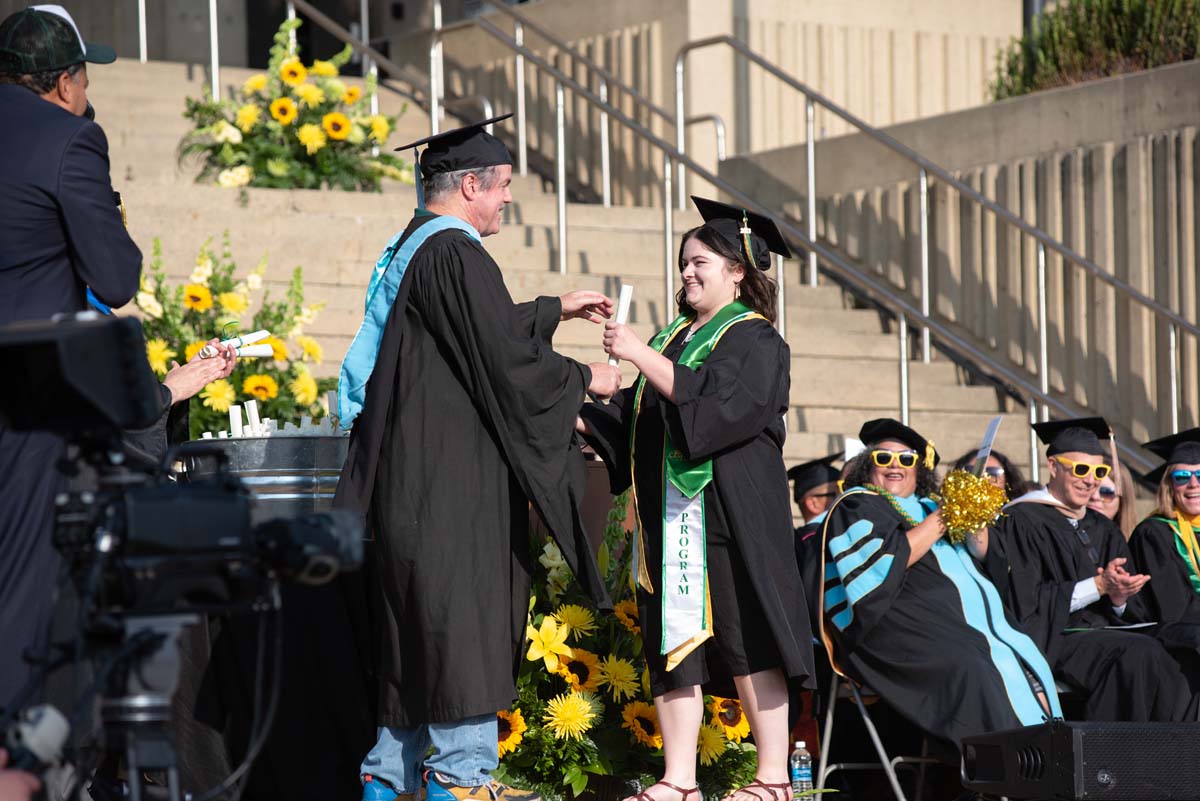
<point>1064,760</point>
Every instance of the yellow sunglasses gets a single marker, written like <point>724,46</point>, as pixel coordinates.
<point>885,458</point>
<point>1083,469</point>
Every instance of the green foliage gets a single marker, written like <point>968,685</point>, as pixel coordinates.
<point>178,320</point>
<point>293,127</point>
<point>561,768</point>
<point>1082,40</point>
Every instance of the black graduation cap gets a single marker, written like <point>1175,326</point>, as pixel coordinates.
<point>465,148</point>
<point>883,428</point>
<point>1081,435</point>
<point>1181,448</point>
<point>753,234</point>
<point>805,477</point>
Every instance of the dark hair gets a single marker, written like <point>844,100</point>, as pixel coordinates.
<point>860,474</point>
<point>40,82</point>
<point>1014,479</point>
<point>757,290</point>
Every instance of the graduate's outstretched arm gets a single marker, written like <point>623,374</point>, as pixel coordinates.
<point>622,343</point>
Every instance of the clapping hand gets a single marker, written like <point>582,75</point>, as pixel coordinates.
<point>1117,583</point>
<point>586,305</point>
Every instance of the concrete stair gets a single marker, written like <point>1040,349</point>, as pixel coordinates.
<point>844,361</point>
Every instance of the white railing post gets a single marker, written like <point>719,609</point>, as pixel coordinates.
<point>560,172</point>
<point>142,31</point>
<point>1035,469</point>
<point>903,336</point>
<point>291,14</point>
<point>605,158</point>
<point>781,305</point>
<point>810,156</point>
<point>1043,351</point>
<point>668,241</point>
<point>680,127</point>
<point>925,293</point>
<point>435,67</point>
<point>522,141</point>
<point>213,50</point>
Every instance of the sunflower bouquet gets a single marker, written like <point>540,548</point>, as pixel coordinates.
<point>178,320</point>
<point>293,127</point>
<point>584,721</point>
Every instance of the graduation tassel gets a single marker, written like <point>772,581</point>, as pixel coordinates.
<point>417,176</point>
<point>930,455</point>
<point>745,231</point>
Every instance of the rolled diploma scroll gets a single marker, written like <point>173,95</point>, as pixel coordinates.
<point>235,420</point>
<point>252,418</point>
<point>255,351</point>
<point>208,351</point>
<point>623,303</point>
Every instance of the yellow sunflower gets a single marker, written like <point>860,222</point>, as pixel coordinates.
<point>336,124</point>
<point>580,621</point>
<point>283,109</point>
<point>278,349</point>
<point>352,96</point>
<point>197,298</point>
<point>304,388</point>
<point>254,84</point>
<point>512,729</point>
<point>620,676</point>
<point>233,302</point>
<point>261,386</point>
<point>309,94</point>
<point>158,353</point>
<point>627,612</point>
<point>247,117</point>
<point>192,350</point>
<point>547,643</point>
<point>218,395</point>
<point>642,721</point>
<point>292,72</point>
<point>310,349</point>
<point>380,128</point>
<point>311,137</point>
<point>325,69</point>
<point>569,715</point>
<point>727,714</point>
<point>581,670</point>
<point>710,744</point>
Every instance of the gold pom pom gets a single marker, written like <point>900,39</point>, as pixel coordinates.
<point>968,503</point>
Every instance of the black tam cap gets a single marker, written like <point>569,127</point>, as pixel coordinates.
<point>1079,435</point>
<point>1181,448</point>
<point>883,428</point>
<point>749,233</point>
<point>466,148</point>
<point>810,475</point>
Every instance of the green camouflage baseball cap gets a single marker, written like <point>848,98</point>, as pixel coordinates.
<point>45,38</point>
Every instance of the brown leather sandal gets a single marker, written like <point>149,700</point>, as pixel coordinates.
<point>755,787</point>
<point>644,795</point>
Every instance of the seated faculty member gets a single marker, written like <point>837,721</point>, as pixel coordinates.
<point>462,415</point>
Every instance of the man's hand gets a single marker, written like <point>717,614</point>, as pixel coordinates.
<point>606,380</point>
<point>586,305</point>
<point>185,381</point>
<point>1117,583</point>
<point>16,785</point>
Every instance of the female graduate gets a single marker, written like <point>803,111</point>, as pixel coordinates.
<point>700,436</point>
<point>909,614</point>
<point>1164,544</point>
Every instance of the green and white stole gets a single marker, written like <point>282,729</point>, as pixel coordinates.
<point>686,607</point>
<point>1186,546</point>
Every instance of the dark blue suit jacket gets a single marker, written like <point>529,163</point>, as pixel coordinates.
<point>60,230</point>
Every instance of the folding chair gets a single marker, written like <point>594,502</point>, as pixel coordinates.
<point>844,688</point>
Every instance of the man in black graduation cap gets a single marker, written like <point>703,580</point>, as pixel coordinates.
<point>814,486</point>
<point>1065,573</point>
<point>462,415</point>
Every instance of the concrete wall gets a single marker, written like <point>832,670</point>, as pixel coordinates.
<point>1109,168</point>
<point>886,60</point>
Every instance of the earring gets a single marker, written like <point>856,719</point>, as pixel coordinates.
<point>737,290</point>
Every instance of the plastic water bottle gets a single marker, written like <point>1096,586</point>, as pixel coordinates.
<point>800,770</point>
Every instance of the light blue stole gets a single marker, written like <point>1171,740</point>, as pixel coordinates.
<point>381,294</point>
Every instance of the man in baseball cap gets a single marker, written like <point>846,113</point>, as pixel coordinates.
<point>62,233</point>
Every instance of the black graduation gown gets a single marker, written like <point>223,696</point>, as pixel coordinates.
<point>729,410</point>
<point>1036,557</point>
<point>808,559</point>
<point>468,413</point>
<point>932,639</point>
<point>1168,596</point>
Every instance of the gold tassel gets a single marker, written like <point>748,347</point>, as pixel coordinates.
<point>746,239</point>
<point>930,455</point>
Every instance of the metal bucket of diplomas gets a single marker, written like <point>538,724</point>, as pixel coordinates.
<point>287,476</point>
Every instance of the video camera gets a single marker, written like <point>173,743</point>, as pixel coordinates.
<point>147,555</point>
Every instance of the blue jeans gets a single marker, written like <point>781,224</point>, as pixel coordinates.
<point>465,752</point>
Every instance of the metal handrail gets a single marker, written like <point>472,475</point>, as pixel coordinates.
<point>927,168</point>
<point>870,285</point>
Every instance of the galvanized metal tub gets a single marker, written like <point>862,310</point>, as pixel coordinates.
<point>286,476</point>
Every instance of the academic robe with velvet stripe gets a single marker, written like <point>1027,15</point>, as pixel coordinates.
<point>730,410</point>
<point>933,639</point>
<point>468,418</point>
<point>1036,557</point>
